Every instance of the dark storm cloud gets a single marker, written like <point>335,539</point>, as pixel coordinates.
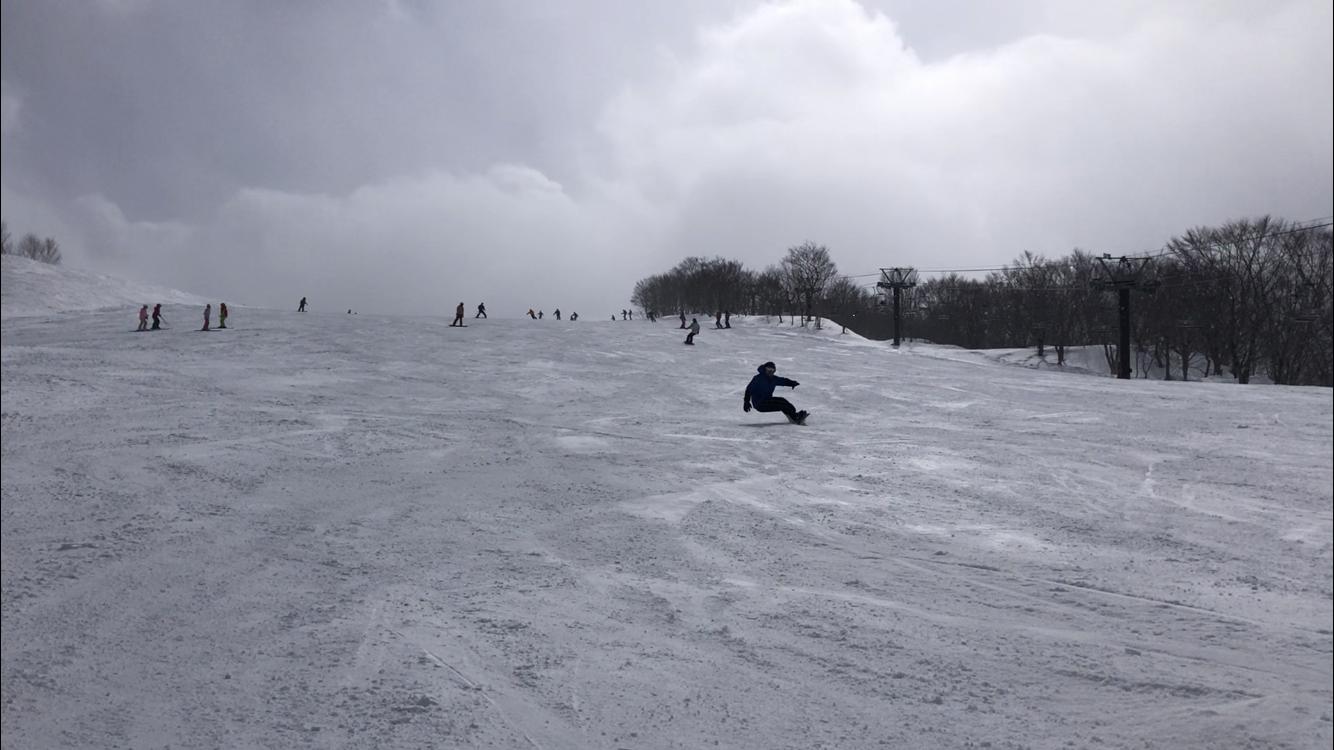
<point>403,153</point>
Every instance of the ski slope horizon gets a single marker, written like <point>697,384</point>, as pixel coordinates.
<point>332,530</point>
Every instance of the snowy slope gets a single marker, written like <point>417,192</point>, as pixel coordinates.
<point>28,287</point>
<point>323,530</point>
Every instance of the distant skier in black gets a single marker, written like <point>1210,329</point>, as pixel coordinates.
<point>301,307</point>
<point>539,314</point>
<point>157,316</point>
<point>558,313</point>
<point>718,319</point>
<point>694,331</point>
<point>683,319</point>
<point>458,316</point>
<point>727,319</point>
<point>760,394</point>
<point>481,310</point>
<point>574,316</point>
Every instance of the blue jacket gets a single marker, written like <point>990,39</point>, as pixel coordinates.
<point>762,386</point>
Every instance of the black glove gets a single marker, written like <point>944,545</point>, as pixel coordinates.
<point>795,384</point>
<point>746,406</point>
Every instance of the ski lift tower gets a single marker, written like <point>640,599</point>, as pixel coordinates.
<point>897,279</point>
<point>1122,274</point>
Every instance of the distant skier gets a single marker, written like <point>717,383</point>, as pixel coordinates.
<point>718,319</point>
<point>301,307</point>
<point>683,320</point>
<point>558,313</point>
<point>481,310</point>
<point>760,394</point>
<point>574,316</point>
<point>727,319</point>
<point>539,314</point>
<point>694,331</point>
<point>532,314</point>
<point>458,316</point>
<point>143,319</point>
<point>222,314</point>
<point>157,316</point>
<point>208,310</point>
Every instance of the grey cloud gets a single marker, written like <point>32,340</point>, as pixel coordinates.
<point>400,155</point>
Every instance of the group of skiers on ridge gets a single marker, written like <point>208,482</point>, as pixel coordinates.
<point>158,318</point>
<point>759,392</point>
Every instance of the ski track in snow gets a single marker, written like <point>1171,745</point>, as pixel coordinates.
<point>358,531</point>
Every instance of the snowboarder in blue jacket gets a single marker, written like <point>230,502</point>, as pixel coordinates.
<point>760,394</point>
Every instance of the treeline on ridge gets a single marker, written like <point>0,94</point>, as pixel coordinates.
<point>1249,297</point>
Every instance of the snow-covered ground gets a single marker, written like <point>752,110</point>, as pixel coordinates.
<point>354,531</point>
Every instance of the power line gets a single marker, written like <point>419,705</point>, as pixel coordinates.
<point>1305,226</point>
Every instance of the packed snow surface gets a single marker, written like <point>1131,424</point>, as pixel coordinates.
<point>348,531</point>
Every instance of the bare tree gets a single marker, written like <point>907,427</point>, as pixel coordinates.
<point>46,251</point>
<point>808,270</point>
<point>50,252</point>
<point>6,242</point>
<point>30,246</point>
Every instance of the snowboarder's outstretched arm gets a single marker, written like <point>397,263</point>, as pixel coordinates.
<point>786,382</point>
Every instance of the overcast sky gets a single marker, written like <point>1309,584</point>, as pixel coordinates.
<point>401,157</point>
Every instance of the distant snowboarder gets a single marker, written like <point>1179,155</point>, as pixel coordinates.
<point>760,394</point>
<point>208,310</point>
<point>481,310</point>
<point>301,307</point>
<point>157,316</point>
<point>557,313</point>
<point>727,319</point>
<point>143,319</point>
<point>683,320</point>
<point>458,316</point>
<point>574,316</point>
<point>694,331</point>
<point>222,314</point>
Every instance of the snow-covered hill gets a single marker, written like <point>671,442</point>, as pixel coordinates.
<point>28,287</point>
<point>348,531</point>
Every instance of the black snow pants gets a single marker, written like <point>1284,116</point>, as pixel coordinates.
<point>777,403</point>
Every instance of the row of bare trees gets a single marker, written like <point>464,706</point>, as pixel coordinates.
<point>803,283</point>
<point>30,246</point>
<point>1248,297</point>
